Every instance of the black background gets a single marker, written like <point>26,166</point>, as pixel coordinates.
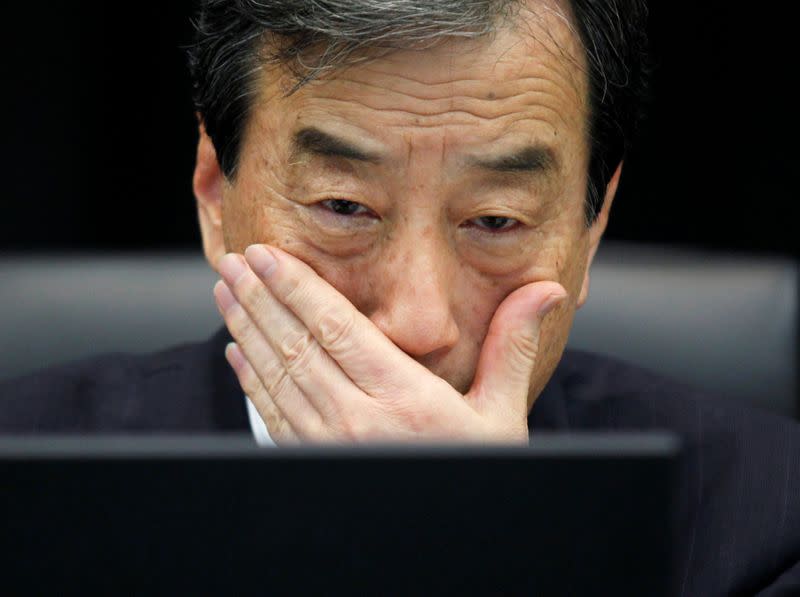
<point>99,133</point>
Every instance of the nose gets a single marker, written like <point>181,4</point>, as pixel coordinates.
<point>414,308</point>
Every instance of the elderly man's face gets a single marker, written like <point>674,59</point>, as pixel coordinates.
<point>425,186</point>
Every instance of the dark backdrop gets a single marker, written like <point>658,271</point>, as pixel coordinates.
<point>99,134</point>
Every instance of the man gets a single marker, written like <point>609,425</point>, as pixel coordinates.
<point>403,200</point>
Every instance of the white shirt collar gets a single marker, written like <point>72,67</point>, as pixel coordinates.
<point>257,425</point>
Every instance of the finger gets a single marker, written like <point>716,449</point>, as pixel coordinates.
<point>280,430</point>
<point>510,349</point>
<point>363,352</point>
<point>300,359</point>
<point>290,400</point>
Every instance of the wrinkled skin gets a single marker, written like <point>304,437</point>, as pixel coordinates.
<point>418,259</point>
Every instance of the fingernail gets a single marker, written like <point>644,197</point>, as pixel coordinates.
<point>231,267</point>
<point>550,303</point>
<point>224,296</point>
<point>260,259</point>
<point>232,355</point>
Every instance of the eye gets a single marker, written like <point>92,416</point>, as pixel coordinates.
<point>343,207</point>
<point>494,223</point>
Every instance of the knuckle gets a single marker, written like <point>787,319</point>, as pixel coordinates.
<point>523,352</point>
<point>335,329</point>
<point>266,409</point>
<point>272,418</point>
<point>277,382</point>
<point>250,383</point>
<point>297,349</point>
<point>355,428</point>
<point>293,289</point>
<point>253,294</point>
<point>235,317</point>
<point>416,420</point>
<point>281,430</point>
<point>241,328</point>
<point>317,431</point>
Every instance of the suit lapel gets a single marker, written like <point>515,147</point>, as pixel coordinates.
<point>228,408</point>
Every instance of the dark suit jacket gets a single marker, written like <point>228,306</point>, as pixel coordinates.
<point>739,514</point>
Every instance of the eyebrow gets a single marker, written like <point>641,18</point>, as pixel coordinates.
<point>534,159</point>
<point>531,159</point>
<point>311,140</point>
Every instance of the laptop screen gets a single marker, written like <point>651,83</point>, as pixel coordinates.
<point>569,514</point>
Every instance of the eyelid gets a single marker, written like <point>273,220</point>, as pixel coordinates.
<point>363,212</point>
<point>515,224</point>
<point>328,202</point>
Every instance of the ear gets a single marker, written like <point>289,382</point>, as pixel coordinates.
<point>208,184</point>
<point>597,230</point>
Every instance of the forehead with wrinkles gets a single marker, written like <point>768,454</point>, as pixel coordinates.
<point>526,83</point>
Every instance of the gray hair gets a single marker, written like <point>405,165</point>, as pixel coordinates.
<point>236,38</point>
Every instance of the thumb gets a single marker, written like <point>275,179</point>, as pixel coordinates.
<point>508,356</point>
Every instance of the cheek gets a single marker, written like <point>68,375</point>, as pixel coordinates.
<point>554,257</point>
<point>353,278</point>
<point>250,217</point>
<point>269,217</point>
<point>560,259</point>
<point>476,298</point>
